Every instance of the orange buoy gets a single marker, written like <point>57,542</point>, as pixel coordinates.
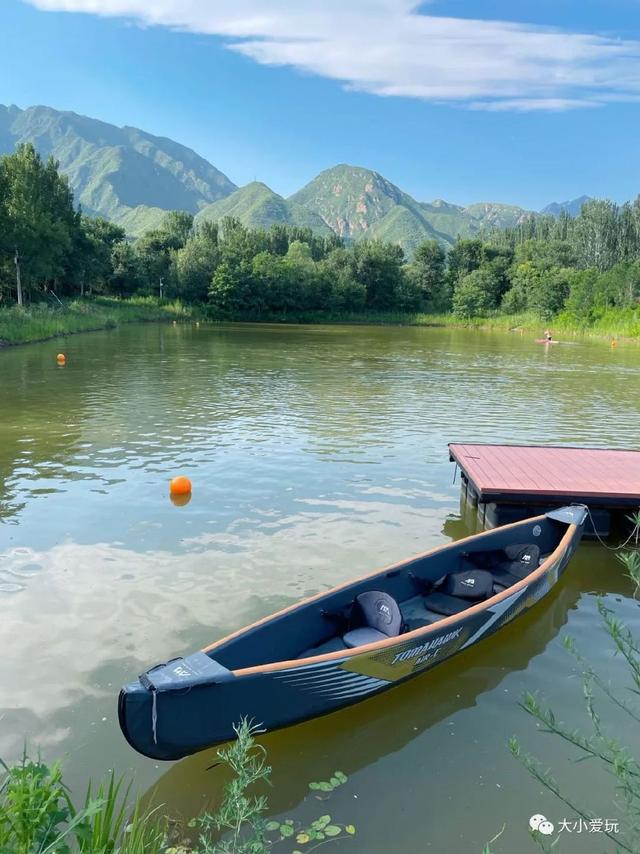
<point>61,358</point>
<point>180,500</point>
<point>614,343</point>
<point>180,485</point>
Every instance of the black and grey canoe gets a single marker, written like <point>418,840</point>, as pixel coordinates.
<point>352,642</point>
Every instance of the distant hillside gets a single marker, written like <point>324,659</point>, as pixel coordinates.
<point>124,174</point>
<point>259,207</point>
<point>449,219</point>
<point>493,215</point>
<point>459,221</point>
<point>572,208</point>
<point>134,178</point>
<point>356,202</point>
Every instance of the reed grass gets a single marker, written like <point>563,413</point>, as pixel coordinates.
<point>612,324</point>
<point>40,322</point>
<point>608,757</point>
<point>37,814</point>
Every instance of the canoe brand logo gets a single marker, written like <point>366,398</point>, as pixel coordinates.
<point>541,824</point>
<point>182,671</point>
<point>384,611</point>
<point>537,530</point>
<point>469,582</point>
<point>426,650</point>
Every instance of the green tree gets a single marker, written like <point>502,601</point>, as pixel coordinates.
<point>496,264</point>
<point>546,253</point>
<point>271,288</point>
<point>178,228</point>
<point>471,297</point>
<point>581,300</point>
<point>155,261</point>
<point>548,296</point>
<point>544,290</point>
<point>126,274</point>
<point>307,287</point>
<point>345,292</point>
<point>90,263</point>
<point>428,274</point>
<point>596,235</point>
<point>5,247</point>
<point>463,258</point>
<point>39,217</point>
<point>619,287</point>
<point>196,262</point>
<point>233,289</point>
<point>629,231</point>
<point>378,266</point>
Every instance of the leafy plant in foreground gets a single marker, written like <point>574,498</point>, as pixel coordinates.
<point>598,745</point>
<point>239,815</point>
<point>36,813</point>
<point>238,824</point>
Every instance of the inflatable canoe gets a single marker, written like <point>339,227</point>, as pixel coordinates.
<point>352,642</point>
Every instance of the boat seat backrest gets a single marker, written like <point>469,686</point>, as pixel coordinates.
<point>377,610</point>
<point>471,584</point>
<point>522,558</point>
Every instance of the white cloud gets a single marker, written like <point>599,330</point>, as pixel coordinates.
<point>387,48</point>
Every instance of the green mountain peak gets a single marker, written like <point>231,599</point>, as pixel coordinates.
<point>133,178</point>
<point>257,206</point>
<point>124,174</point>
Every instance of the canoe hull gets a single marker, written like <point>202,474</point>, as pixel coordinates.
<point>187,721</point>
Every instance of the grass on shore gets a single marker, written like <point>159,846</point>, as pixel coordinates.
<point>38,815</point>
<point>611,324</point>
<point>39,322</point>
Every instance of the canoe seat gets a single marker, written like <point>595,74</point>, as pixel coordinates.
<point>472,584</point>
<point>441,603</point>
<point>359,637</point>
<point>459,590</point>
<point>375,616</point>
<point>509,565</point>
<point>334,644</point>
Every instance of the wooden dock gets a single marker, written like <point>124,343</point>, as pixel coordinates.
<point>508,482</point>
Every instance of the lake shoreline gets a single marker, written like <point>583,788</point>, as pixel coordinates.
<point>40,323</point>
<point>521,324</point>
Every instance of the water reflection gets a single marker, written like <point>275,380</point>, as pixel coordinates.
<point>361,735</point>
<point>444,732</point>
<point>316,454</point>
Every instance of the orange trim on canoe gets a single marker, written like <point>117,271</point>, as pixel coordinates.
<point>416,633</point>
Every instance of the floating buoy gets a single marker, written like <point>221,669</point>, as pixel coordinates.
<point>180,485</point>
<point>61,358</point>
<point>180,500</point>
<point>614,343</point>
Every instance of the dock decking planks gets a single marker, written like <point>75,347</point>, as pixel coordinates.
<point>527,471</point>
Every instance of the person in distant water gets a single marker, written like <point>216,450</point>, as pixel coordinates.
<point>548,337</point>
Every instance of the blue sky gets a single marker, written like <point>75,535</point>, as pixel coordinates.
<point>458,99</point>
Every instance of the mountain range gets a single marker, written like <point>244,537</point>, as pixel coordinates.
<point>132,178</point>
<point>572,208</point>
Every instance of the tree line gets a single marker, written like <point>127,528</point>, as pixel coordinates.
<point>51,250</point>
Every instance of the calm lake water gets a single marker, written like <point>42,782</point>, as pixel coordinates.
<point>316,453</point>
